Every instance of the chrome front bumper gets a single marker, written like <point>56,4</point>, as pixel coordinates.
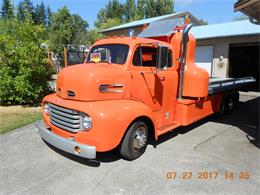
<point>65,144</point>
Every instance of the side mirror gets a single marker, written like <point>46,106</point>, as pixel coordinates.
<point>162,57</point>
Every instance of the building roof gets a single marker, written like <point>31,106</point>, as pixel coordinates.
<point>149,20</point>
<point>236,28</point>
<point>250,8</point>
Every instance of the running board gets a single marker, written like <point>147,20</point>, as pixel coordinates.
<point>168,127</point>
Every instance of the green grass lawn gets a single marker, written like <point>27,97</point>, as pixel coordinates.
<point>12,117</point>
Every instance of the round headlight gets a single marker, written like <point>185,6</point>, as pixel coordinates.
<point>87,122</point>
<point>46,108</point>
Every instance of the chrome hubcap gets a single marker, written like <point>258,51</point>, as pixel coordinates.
<point>230,104</point>
<point>140,139</point>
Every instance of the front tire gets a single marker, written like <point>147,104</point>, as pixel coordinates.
<point>135,141</point>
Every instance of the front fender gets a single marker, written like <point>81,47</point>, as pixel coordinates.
<point>110,120</point>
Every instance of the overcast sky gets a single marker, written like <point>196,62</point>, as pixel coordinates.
<point>214,11</point>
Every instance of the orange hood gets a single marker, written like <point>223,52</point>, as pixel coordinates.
<point>88,82</point>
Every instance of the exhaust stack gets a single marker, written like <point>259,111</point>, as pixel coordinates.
<point>185,39</point>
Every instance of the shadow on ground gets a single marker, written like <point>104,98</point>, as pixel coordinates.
<point>245,117</point>
<point>103,157</point>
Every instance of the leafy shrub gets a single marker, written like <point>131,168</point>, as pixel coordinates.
<point>23,69</point>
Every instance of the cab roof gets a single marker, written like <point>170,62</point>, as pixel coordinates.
<point>131,41</point>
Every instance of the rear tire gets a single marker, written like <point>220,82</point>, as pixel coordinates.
<point>134,143</point>
<point>229,103</point>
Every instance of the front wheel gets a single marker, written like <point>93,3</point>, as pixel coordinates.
<point>135,141</point>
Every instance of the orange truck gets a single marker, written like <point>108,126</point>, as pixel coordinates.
<point>132,89</point>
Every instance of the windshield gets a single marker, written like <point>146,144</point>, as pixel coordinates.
<point>112,53</point>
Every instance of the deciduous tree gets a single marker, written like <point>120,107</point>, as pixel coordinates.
<point>23,69</point>
<point>66,29</point>
<point>111,22</point>
<point>92,36</point>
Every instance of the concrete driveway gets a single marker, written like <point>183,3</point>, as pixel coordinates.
<point>213,156</point>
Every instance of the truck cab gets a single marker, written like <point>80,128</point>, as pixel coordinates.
<point>129,90</point>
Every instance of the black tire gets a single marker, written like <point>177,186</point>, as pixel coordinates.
<point>229,103</point>
<point>232,102</point>
<point>134,143</point>
<point>222,109</point>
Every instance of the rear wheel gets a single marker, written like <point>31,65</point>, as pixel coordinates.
<point>229,103</point>
<point>135,141</point>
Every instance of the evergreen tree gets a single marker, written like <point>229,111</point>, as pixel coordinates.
<point>40,16</point>
<point>203,21</point>
<point>130,10</point>
<point>114,9</point>
<point>7,9</point>
<point>25,10</point>
<point>101,17</point>
<point>150,8</point>
<point>164,7</point>
<point>48,16</point>
<point>159,8</point>
<point>141,9</point>
<point>240,17</point>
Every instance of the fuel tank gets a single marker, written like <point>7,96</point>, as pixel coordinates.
<point>196,79</point>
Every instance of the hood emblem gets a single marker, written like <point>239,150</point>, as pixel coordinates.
<point>71,93</point>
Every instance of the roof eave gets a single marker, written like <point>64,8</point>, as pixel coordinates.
<point>109,30</point>
<point>170,15</point>
<point>223,36</point>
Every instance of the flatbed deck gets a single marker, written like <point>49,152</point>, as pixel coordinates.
<point>217,85</point>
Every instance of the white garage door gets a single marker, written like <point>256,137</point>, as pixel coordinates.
<point>204,57</point>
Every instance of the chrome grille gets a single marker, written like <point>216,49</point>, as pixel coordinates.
<point>66,119</point>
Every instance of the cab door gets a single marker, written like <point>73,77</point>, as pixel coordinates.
<point>155,88</point>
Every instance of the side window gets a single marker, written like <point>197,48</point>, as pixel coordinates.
<point>169,59</point>
<point>147,57</point>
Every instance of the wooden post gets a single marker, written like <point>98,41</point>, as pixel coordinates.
<point>65,57</point>
<point>49,57</point>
